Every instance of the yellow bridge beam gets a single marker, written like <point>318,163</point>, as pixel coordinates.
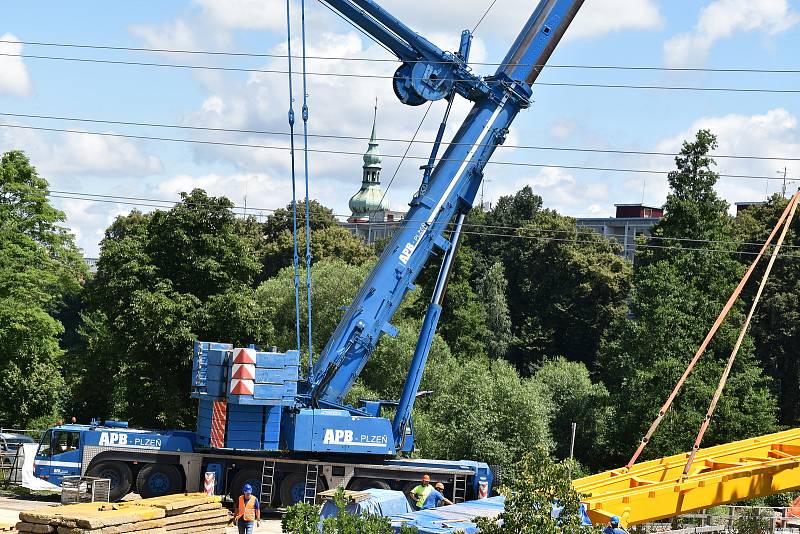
<point>723,474</point>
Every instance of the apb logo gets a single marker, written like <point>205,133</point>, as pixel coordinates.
<point>337,437</point>
<point>113,438</point>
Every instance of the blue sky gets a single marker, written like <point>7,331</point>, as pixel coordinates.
<point>762,34</point>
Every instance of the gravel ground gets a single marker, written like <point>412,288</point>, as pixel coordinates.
<point>10,507</point>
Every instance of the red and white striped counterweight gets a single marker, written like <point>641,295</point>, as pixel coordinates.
<point>243,373</point>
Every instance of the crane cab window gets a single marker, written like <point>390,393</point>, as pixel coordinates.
<point>58,442</point>
<point>64,441</point>
<point>45,445</point>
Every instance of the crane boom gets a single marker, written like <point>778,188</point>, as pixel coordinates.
<point>453,182</point>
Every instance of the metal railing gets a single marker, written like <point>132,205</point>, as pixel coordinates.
<point>730,520</point>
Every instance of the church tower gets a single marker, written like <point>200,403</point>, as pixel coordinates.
<point>370,198</point>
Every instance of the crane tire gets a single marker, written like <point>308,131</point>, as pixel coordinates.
<point>361,484</point>
<point>293,488</point>
<point>155,480</point>
<point>118,473</point>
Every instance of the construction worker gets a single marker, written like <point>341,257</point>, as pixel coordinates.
<point>436,498</point>
<point>420,493</point>
<point>248,511</point>
<point>614,527</point>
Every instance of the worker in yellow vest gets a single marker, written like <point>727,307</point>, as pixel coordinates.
<point>248,511</point>
<point>420,493</point>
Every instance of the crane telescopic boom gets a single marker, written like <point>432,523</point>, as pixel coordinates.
<point>429,73</point>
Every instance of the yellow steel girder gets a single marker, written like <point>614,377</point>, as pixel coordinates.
<point>722,474</point>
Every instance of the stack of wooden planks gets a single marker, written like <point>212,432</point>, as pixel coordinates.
<point>192,513</point>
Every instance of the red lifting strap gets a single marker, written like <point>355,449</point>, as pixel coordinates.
<point>703,346</point>
<point>735,351</point>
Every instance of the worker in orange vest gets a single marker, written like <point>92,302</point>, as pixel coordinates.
<point>248,511</point>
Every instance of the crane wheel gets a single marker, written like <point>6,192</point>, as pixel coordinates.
<point>293,488</point>
<point>361,484</point>
<point>155,480</point>
<point>118,473</point>
<point>246,476</point>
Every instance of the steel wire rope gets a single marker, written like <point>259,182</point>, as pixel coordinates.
<point>403,158</point>
<point>488,9</point>
<point>291,118</point>
<point>379,76</point>
<point>342,152</point>
<point>387,139</point>
<point>395,60</point>
<point>305,168</point>
<point>625,247</point>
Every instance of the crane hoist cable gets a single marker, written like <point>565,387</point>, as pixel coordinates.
<point>295,257</point>
<point>305,168</point>
<point>704,345</point>
<point>724,378</point>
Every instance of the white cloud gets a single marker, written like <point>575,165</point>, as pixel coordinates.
<point>177,34</point>
<point>723,18</point>
<point>773,134</point>
<point>246,14</point>
<point>81,154</point>
<point>559,190</point>
<point>599,17</point>
<point>14,78</point>
<point>563,129</point>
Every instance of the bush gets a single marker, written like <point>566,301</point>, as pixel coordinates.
<point>304,519</point>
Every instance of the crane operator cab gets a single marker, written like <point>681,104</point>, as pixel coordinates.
<point>58,454</point>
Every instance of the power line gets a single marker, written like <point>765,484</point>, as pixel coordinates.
<point>626,247</point>
<point>386,139</point>
<point>163,203</point>
<point>347,153</point>
<point>395,60</point>
<point>378,76</point>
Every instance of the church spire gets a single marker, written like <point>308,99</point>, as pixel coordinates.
<point>370,197</point>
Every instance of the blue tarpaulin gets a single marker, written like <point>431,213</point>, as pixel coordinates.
<point>381,502</point>
<point>460,517</point>
<point>450,519</point>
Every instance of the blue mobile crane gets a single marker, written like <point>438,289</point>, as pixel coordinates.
<point>258,421</point>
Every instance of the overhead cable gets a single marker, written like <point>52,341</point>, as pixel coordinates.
<point>754,70</point>
<point>378,76</point>
<point>478,228</point>
<point>342,152</point>
<point>389,139</point>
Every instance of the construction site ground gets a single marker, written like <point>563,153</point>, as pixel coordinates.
<point>10,507</point>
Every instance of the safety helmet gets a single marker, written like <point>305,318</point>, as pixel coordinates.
<point>615,520</point>
<point>426,478</point>
<point>247,488</point>
<point>439,486</point>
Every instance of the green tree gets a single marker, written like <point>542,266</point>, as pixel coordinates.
<point>332,242</point>
<point>776,328</point>
<point>568,290</point>
<point>328,239</point>
<point>40,271</point>
<point>694,209</point>
<point>484,411</point>
<point>304,519</point>
<point>334,283</point>
<point>678,294</point>
<point>576,399</point>
<point>164,280</point>
<point>492,288</point>
<point>539,484</point>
